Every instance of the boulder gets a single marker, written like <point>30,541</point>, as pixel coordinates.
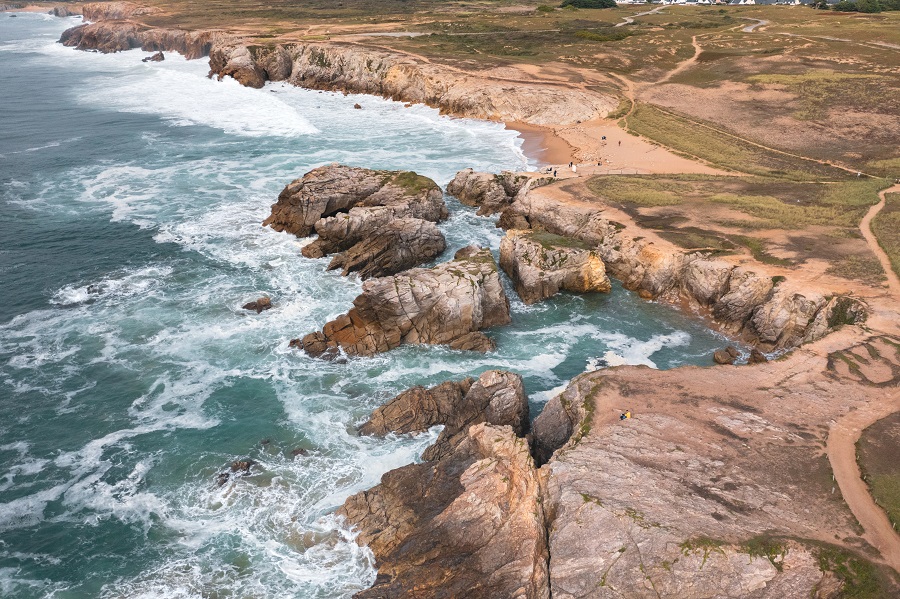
<point>757,357</point>
<point>158,57</point>
<point>263,303</point>
<point>542,264</point>
<point>470,524</point>
<point>378,222</point>
<point>726,356</point>
<point>496,397</point>
<point>746,291</point>
<point>439,305</point>
<point>783,320</point>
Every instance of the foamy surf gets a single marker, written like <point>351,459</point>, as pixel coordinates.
<point>136,377</point>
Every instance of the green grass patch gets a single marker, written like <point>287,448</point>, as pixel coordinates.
<point>413,183</point>
<point>860,577</point>
<point>718,147</point>
<point>886,227</point>
<point>768,547</point>
<point>858,268</point>
<point>777,204</point>
<point>550,241</point>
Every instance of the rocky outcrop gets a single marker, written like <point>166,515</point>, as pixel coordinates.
<point>158,57</point>
<point>541,265</point>
<point>468,525</point>
<point>378,222</point>
<point>64,11</point>
<point>742,301</point>
<point>119,36</point>
<point>496,397</point>
<point>448,304</point>
<point>564,416</point>
<point>114,11</point>
<point>488,192</point>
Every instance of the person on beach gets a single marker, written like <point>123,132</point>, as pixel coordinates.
<point>554,173</point>
<point>620,143</point>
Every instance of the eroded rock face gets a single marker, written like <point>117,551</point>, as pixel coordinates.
<point>468,525</point>
<point>448,304</point>
<point>118,36</point>
<point>489,192</point>
<point>496,397</point>
<point>741,301</point>
<point>64,11</point>
<point>379,222</point>
<point>542,264</point>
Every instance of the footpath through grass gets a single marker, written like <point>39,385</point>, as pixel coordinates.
<point>886,227</point>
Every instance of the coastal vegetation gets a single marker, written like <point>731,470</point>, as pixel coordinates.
<point>886,227</point>
<point>877,450</point>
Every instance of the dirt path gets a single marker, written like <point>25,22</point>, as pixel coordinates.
<point>865,227</point>
<point>841,448</point>
<point>758,23</point>
<point>686,64</point>
<point>628,20</point>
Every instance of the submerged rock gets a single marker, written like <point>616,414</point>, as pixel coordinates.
<point>542,264</point>
<point>496,397</point>
<point>446,304</point>
<point>470,524</point>
<point>158,57</point>
<point>757,357</point>
<point>378,222</point>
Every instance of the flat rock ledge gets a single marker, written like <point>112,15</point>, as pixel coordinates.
<point>378,223</point>
<point>468,525</point>
<point>542,264</point>
<point>446,305</point>
<point>496,397</point>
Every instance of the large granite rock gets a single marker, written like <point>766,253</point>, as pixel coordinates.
<point>378,222</point>
<point>489,192</point>
<point>542,264</point>
<point>448,304</point>
<point>468,525</point>
<point>496,397</point>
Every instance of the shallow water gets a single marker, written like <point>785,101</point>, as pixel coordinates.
<point>129,376</point>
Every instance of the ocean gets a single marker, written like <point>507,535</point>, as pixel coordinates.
<point>131,197</point>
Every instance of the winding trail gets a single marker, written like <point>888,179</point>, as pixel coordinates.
<point>841,449</point>
<point>758,23</point>
<point>865,227</point>
<point>685,64</point>
<point>630,19</point>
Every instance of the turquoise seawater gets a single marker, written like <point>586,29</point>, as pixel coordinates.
<point>131,197</point>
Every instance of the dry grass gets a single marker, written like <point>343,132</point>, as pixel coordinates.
<point>886,227</point>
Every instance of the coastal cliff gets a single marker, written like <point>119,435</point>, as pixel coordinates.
<point>766,311</point>
<point>345,67</point>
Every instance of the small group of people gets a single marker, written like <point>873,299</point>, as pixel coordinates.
<point>626,415</point>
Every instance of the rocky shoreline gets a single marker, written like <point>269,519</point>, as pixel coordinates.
<point>115,27</point>
<point>693,498</point>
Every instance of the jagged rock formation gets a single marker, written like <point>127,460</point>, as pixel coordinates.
<point>496,397</point>
<point>740,300</point>
<point>448,304</point>
<point>490,193</point>
<point>158,57</point>
<point>541,265</point>
<point>344,68</point>
<point>64,11</point>
<point>379,222</point>
<point>468,525</point>
<point>118,36</point>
